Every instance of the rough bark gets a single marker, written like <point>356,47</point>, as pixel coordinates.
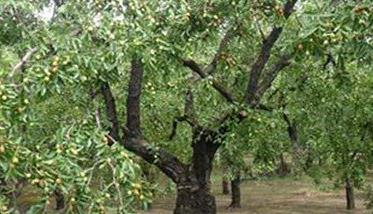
<point>193,193</point>
<point>133,140</point>
<point>350,197</point>
<point>197,201</point>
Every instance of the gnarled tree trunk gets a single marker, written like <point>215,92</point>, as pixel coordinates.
<point>193,189</point>
<point>194,199</point>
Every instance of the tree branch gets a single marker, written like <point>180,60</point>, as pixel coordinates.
<point>189,115</point>
<point>192,65</point>
<point>263,57</point>
<point>270,76</point>
<point>134,141</point>
<point>133,99</point>
<point>174,125</point>
<point>20,65</point>
<point>111,112</point>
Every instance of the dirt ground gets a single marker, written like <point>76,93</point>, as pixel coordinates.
<point>277,196</point>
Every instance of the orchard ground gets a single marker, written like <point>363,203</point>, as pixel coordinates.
<point>277,196</point>
<point>273,195</point>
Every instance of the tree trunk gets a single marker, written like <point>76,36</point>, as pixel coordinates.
<point>236,192</point>
<point>192,199</point>
<point>193,189</point>
<point>60,199</point>
<point>225,186</point>
<point>284,168</point>
<point>350,198</point>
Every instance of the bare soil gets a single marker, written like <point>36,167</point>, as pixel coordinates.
<point>276,196</point>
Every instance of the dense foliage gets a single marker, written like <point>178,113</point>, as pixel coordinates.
<point>63,63</point>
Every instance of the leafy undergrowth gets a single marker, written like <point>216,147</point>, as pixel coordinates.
<point>276,196</point>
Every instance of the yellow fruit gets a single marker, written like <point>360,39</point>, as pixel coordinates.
<point>141,197</point>
<point>46,78</point>
<point>129,192</point>
<point>28,175</point>
<point>58,181</point>
<point>74,151</point>
<point>15,160</point>
<point>73,200</point>
<point>19,109</point>
<point>4,97</point>
<point>26,101</point>
<point>2,148</point>
<point>55,63</point>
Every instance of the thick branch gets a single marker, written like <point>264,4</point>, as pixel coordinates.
<point>165,161</point>
<point>133,99</point>
<point>259,64</point>
<point>271,75</point>
<point>263,57</point>
<point>134,141</point>
<point>215,84</point>
<point>111,112</point>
